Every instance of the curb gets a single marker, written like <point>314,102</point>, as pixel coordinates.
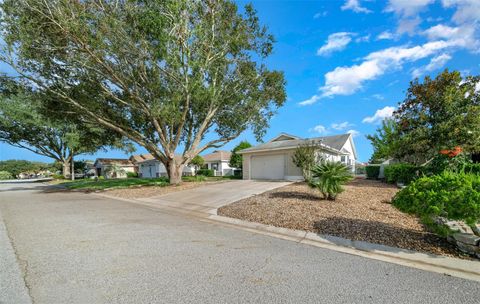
<point>465,269</point>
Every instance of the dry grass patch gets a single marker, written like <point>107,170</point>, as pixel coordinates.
<point>363,212</point>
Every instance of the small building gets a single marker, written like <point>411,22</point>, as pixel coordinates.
<point>273,160</point>
<point>138,158</point>
<point>218,161</point>
<point>102,166</point>
<point>152,168</point>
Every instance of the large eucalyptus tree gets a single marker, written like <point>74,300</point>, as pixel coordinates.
<point>167,73</point>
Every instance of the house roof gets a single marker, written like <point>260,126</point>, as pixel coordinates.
<point>217,155</point>
<point>116,161</point>
<point>333,143</point>
<point>141,157</point>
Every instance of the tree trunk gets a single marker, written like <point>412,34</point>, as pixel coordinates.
<point>174,171</point>
<point>66,169</point>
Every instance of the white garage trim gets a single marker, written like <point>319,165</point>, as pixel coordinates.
<point>270,166</point>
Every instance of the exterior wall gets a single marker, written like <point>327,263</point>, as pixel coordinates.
<point>120,175</point>
<point>159,169</point>
<point>351,161</point>
<point>223,168</point>
<point>292,172</point>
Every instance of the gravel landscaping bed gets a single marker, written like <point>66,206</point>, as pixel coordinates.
<point>363,212</point>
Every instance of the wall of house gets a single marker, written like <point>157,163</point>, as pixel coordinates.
<point>222,167</point>
<point>291,170</point>
<point>119,175</point>
<point>159,169</point>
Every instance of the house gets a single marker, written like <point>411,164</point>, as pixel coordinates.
<point>218,161</point>
<point>273,159</point>
<point>151,168</point>
<point>103,164</point>
<point>136,159</point>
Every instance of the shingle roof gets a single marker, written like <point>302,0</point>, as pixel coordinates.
<point>217,155</point>
<point>141,157</point>
<point>117,161</point>
<point>335,142</point>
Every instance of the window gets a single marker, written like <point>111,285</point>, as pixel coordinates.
<point>342,158</point>
<point>215,166</point>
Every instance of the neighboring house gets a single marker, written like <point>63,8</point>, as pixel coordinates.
<point>151,168</point>
<point>102,164</point>
<point>218,162</point>
<point>273,159</point>
<point>136,159</point>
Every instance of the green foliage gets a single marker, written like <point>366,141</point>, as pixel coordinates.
<point>5,175</point>
<point>459,163</point>
<point>114,171</point>
<point>329,177</point>
<point>236,160</point>
<point>58,176</point>
<point>132,174</point>
<point>101,184</point>
<point>400,173</point>
<point>162,73</point>
<point>196,178</point>
<point>384,141</point>
<point>372,171</point>
<point>197,161</point>
<point>206,172</point>
<point>437,114</point>
<point>306,157</point>
<point>16,167</point>
<point>451,195</point>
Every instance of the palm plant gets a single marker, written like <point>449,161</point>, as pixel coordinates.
<point>329,177</point>
<point>114,171</point>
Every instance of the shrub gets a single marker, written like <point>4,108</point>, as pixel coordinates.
<point>372,171</point>
<point>451,195</point>
<point>58,176</point>
<point>205,172</point>
<point>196,178</point>
<point>132,174</point>
<point>329,177</point>
<point>5,175</point>
<point>472,168</point>
<point>400,173</point>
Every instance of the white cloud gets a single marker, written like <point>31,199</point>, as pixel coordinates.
<point>320,14</point>
<point>467,10</point>
<point>355,6</point>
<point>335,42</point>
<point>462,36</point>
<point>378,96</point>
<point>341,126</point>
<point>310,101</point>
<point>386,35</point>
<point>354,133</point>
<point>379,115</point>
<point>408,26</point>
<point>407,8</point>
<point>319,129</point>
<point>435,64</point>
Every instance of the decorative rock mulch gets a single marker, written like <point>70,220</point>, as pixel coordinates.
<point>363,212</point>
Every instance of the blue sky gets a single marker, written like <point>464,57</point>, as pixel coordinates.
<point>348,63</point>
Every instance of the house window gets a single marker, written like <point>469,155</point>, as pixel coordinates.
<point>215,166</point>
<point>342,158</point>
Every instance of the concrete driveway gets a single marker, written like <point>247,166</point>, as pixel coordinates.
<point>206,199</point>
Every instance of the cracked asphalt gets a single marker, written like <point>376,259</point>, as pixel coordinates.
<point>80,248</point>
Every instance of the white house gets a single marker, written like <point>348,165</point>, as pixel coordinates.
<point>218,162</point>
<point>151,168</point>
<point>273,159</point>
<point>101,166</point>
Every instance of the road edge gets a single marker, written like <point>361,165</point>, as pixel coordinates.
<point>465,269</point>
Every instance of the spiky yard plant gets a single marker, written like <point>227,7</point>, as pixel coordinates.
<point>329,177</point>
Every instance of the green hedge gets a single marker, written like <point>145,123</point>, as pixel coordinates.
<point>451,195</point>
<point>5,175</point>
<point>372,171</point>
<point>472,168</point>
<point>205,172</point>
<point>132,174</point>
<point>400,173</point>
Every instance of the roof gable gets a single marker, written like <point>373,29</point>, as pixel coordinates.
<point>284,136</point>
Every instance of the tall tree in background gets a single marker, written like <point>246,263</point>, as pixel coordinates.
<point>384,141</point>
<point>437,114</point>
<point>166,72</point>
<point>25,124</point>
<point>236,160</point>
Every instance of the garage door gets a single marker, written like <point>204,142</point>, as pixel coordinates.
<point>268,167</point>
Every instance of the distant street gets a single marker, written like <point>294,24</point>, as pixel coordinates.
<point>80,248</point>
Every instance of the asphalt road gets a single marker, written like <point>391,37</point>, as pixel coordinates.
<point>79,248</point>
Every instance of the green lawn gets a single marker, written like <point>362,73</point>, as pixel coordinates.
<point>90,184</point>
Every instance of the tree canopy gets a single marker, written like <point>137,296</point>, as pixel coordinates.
<point>236,160</point>
<point>439,113</point>
<point>26,123</point>
<point>164,73</point>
